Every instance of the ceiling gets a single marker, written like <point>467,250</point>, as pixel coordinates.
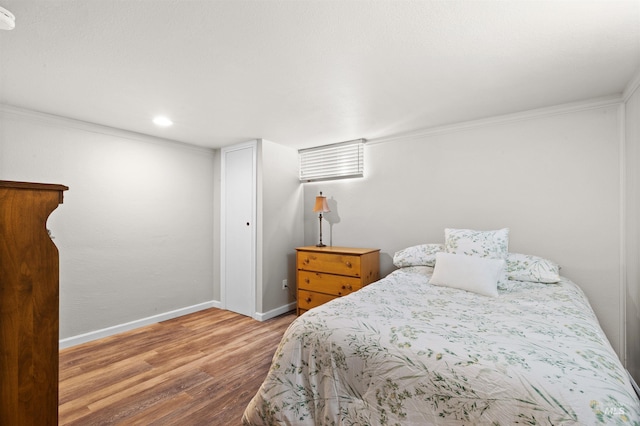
<point>310,72</point>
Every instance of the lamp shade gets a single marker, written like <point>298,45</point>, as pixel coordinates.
<point>321,204</point>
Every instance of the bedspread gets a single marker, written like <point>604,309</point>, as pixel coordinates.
<point>404,352</point>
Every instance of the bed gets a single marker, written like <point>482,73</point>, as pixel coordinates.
<point>404,351</point>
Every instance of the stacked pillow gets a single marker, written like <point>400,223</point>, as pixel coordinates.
<point>473,260</point>
<point>487,244</point>
<point>477,261</point>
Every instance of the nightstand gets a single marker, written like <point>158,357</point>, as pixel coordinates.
<point>325,273</point>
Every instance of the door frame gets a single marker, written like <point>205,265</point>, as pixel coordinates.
<point>223,221</point>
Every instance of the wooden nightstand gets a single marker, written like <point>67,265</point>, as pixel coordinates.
<point>324,273</point>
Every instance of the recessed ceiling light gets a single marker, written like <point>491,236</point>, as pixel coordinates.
<point>7,20</point>
<point>162,121</point>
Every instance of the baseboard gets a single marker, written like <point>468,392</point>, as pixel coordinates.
<point>263,316</point>
<point>109,331</point>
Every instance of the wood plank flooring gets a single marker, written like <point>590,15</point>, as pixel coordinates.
<point>199,369</point>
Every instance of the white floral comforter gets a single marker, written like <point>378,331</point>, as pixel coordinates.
<point>404,352</point>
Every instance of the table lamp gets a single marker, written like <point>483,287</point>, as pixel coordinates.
<point>322,207</point>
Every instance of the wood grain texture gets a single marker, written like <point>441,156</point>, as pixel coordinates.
<point>199,369</point>
<point>324,273</point>
<point>328,283</point>
<point>28,305</point>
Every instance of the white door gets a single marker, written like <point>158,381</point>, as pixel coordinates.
<point>238,228</point>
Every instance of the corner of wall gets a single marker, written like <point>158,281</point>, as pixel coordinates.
<point>630,136</point>
<point>632,86</point>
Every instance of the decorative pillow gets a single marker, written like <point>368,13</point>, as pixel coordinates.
<point>420,255</point>
<point>471,273</point>
<point>491,244</point>
<point>525,267</point>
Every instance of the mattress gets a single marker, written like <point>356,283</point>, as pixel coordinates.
<point>402,351</point>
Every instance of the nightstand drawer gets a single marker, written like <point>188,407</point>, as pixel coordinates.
<point>336,285</point>
<point>309,299</point>
<point>341,264</point>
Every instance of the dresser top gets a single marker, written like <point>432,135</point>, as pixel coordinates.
<point>339,250</point>
<point>31,185</point>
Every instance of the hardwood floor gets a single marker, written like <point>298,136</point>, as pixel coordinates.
<point>199,369</point>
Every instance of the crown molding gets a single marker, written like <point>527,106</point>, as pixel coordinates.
<point>568,108</point>
<point>66,122</point>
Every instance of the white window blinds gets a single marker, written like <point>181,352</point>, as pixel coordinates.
<point>336,161</point>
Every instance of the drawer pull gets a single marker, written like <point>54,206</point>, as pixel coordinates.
<point>308,300</point>
<point>306,261</point>
<point>347,287</point>
<point>348,264</point>
<point>307,280</point>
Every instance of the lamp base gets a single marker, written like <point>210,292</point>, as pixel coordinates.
<point>321,245</point>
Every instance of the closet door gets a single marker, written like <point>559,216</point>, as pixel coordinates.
<point>238,228</point>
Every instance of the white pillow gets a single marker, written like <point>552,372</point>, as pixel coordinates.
<point>491,244</point>
<point>471,273</point>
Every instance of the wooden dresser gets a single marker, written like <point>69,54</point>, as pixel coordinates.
<point>324,273</point>
<point>28,305</point>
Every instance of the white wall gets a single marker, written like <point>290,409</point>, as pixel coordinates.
<point>135,232</point>
<point>281,231</point>
<point>632,155</point>
<point>552,178</point>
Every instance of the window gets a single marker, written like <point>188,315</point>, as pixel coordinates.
<point>336,161</point>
